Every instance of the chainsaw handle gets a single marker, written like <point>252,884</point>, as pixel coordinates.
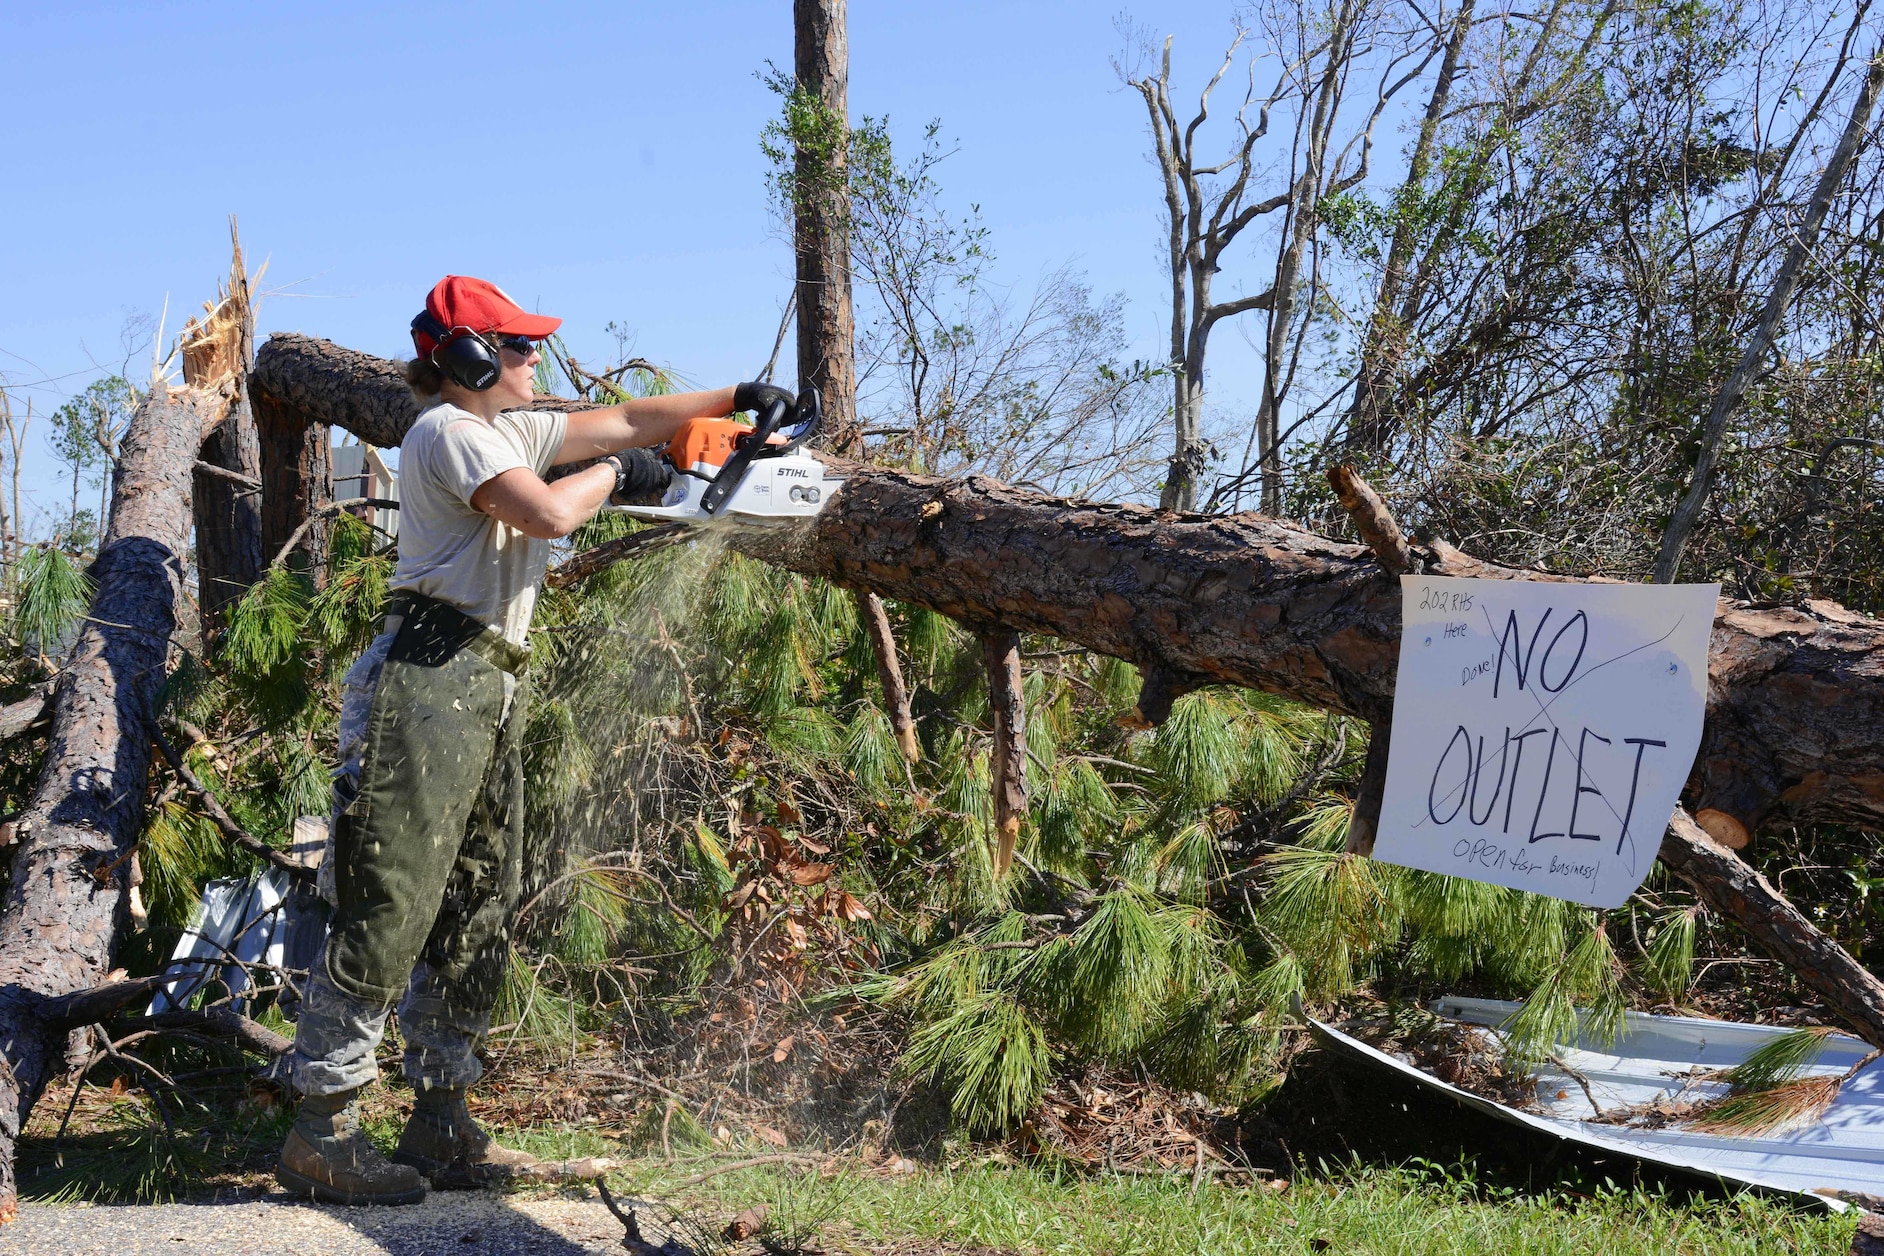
<point>810,415</point>
<point>748,447</point>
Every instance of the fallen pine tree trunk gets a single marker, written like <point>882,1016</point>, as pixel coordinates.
<point>1795,716</point>
<point>77,835</point>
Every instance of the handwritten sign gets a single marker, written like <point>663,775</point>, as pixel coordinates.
<point>1542,731</point>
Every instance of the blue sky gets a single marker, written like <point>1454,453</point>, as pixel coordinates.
<point>600,161</point>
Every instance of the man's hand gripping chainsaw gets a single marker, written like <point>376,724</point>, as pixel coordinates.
<point>722,471</point>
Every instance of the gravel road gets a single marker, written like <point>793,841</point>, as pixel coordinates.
<point>463,1223</point>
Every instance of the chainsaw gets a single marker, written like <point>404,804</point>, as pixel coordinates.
<point>724,471</point>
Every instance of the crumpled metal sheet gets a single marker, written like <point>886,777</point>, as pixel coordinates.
<point>242,925</point>
<point>1841,1152</point>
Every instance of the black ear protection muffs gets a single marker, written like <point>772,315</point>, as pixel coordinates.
<point>466,358</point>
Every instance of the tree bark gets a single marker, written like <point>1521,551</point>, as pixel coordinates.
<point>876,622</point>
<point>297,479</point>
<point>1795,716</point>
<point>1007,761</point>
<point>1795,722</point>
<point>71,871</point>
<point>821,229</point>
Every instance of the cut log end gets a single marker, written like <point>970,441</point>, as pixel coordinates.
<point>1723,828</point>
<point>907,743</point>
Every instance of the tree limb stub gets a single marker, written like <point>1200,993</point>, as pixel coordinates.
<point>876,621</point>
<point>67,896</point>
<point>1007,761</point>
<point>87,1007</point>
<point>1365,823</point>
<point>1382,533</point>
<point>17,717</point>
<point>1372,520</point>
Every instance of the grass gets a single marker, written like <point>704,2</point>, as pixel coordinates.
<point>1418,1209</point>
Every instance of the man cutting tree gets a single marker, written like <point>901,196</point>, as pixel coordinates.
<point>426,861</point>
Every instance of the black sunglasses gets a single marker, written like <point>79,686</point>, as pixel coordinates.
<point>522,346</point>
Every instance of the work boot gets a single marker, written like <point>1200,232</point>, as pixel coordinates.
<point>448,1147</point>
<point>329,1157</point>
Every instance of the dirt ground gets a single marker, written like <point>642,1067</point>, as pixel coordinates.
<point>462,1223</point>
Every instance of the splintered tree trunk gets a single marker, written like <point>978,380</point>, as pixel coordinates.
<point>821,230</point>
<point>228,511</point>
<point>1795,715</point>
<point>1007,762</point>
<point>72,867</point>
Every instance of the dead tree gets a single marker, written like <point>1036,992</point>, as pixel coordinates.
<point>69,890</point>
<point>1795,716</point>
<point>1317,66</point>
<point>1201,224</point>
<point>228,487</point>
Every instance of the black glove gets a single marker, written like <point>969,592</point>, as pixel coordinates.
<point>757,397</point>
<point>641,477</point>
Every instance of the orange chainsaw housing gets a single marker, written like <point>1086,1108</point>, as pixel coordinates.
<point>708,441</point>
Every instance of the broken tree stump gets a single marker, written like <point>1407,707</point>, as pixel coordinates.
<point>227,495</point>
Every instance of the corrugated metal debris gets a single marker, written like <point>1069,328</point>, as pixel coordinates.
<point>1617,1100</point>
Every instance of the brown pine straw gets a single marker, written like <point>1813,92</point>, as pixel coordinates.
<point>1756,1112</point>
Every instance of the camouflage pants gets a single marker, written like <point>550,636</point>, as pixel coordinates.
<point>424,858</point>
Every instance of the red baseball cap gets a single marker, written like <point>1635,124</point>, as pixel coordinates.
<point>461,301</point>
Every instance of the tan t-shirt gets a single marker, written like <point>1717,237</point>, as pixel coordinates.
<point>449,551</point>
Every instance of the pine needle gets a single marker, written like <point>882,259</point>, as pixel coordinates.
<point>53,594</point>
<point>1768,1092</point>
<point>1780,1061</point>
<point>1668,962</point>
<point>1755,1112</point>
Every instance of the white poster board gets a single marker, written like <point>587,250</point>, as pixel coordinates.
<point>1542,731</point>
